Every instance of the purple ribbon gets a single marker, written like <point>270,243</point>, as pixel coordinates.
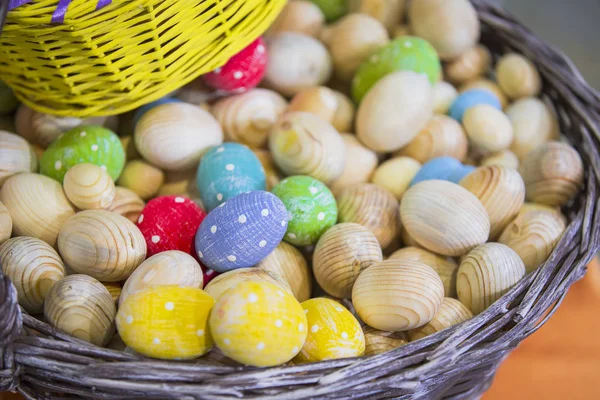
<point>58,16</point>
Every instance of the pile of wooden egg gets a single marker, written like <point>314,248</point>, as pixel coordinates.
<point>384,154</point>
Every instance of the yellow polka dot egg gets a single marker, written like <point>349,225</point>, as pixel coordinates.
<point>259,324</point>
<point>167,322</point>
<point>333,332</point>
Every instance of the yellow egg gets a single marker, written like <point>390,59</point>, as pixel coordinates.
<point>259,324</point>
<point>333,332</point>
<point>168,322</point>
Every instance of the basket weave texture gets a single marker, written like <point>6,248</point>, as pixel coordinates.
<point>457,363</point>
<point>126,54</point>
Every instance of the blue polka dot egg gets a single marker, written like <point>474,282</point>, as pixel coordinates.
<point>472,98</point>
<point>442,168</point>
<point>226,171</point>
<point>241,231</point>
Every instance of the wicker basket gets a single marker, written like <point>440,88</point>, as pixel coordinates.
<point>457,363</point>
<point>126,54</point>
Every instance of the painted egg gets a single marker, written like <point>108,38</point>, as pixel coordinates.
<point>259,324</point>
<point>242,231</point>
<point>170,223</point>
<point>458,174</point>
<point>404,53</point>
<point>333,332</point>
<point>332,9</point>
<point>168,322</point>
<point>84,144</point>
<point>471,98</point>
<point>226,171</point>
<point>311,208</point>
<point>147,107</point>
<point>442,168</point>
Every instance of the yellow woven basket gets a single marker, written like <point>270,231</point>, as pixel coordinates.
<point>130,52</point>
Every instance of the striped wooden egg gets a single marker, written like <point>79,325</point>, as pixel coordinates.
<point>451,312</point>
<point>359,165</point>
<point>259,324</point>
<point>469,66</point>
<point>16,155</point>
<point>378,342</point>
<point>89,187</point>
<point>167,322</point>
<point>226,171</point>
<point>504,158</point>
<point>333,332</point>
<point>114,288</point>
<point>471,98</point>
<point>139,113</point>
<point>6,224</point>
<point>242,231</point>
<point>84,144</point>
<point>127,203</point>
<point>534,123</point>
<point>518,76</point>
<point>229,279</point>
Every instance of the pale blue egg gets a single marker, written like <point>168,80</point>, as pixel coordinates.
<point>471,98</point>
<point>459,173</point>
<point>437,168</point>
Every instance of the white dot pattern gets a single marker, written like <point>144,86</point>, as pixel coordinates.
<point>200,332</point>
<point>262,243</point>
<point>278,323</point>
<point>155,239</point>
<point>219,196</point>
<point>82,133</point>
<point>169,306</point>
<point>264,212</point>
<point>238,75</point>
<point>57,165</point>
<point>94,147</point>
<point>141,219</point>
<point>252,298</point>
<point>344,335</point>
<point>321,216</point>
<point>220,149</point>
<point>300,327</point>
<point>232,258</point>
<point>200,254</point>
<point>213,229</point>
<point>179,199</point>
<point>314,328</point>
<point>156,340</point>
<point>129,319</point>
<point>230,167</point>
<point>226,341</point>
<point>242,219</point>
<point>103,167</point>
<point>260,346</point>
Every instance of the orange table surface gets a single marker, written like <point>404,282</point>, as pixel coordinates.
<point>561,361</point>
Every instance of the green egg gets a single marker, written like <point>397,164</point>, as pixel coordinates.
<point>332,9</point>
<point>311,209</point>
<point>406,53</point>
<point>8,100</point>
<point>84,144</point>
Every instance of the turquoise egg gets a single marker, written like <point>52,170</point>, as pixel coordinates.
<point>84,144</point>
<point>311,208</point>
<point>227,171</point>
<point>471,98</point>
<point>442,168</point>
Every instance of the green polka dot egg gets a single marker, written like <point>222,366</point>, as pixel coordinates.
<point>311,209</point>
<point>406,53</point>
<point>84,144</point>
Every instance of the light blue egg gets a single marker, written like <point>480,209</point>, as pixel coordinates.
<point>437,168</point>
<point>227,171</point>
<point>147,107</point>
<point>471,98</point>
<point>457,175</point>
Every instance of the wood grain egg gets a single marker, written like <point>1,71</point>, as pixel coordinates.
<point>114,288</point>
<point>171,267</point>
<point>220,284</point>
<point>248,117</point>
<point>6,224</point>
<point>334,107</point>
<point>500,190</point>
<point>371,206</point>
<point>289,263</point>
<point>504,158</point>
<point>127,204</point>
<point>486,84</point>
<point>533,235</point>
<point>299,16</point>
<point>488,128</point>
<point>142,178</point>
<point>342,253</point>
<point>101,244</point>
<point>518,76</point>
<point>37,204</point>
<point>445,267</point>
<point>553,174</point>
<point>444,95</point>
<point>444,217</point>
<point>88,187</point>
<point>271,172</point>
<point>389,12</point>
<point>468,66</point>
<point>46,128</point>
<point>486,274</point>
<point>304,144</point>
<point>16,155</point>
<point>397,295</point>
<point>33,267</point>
<point>82,307</point>
<point>180,183</point>
<point>359,164</point>
<point>378,342</point>
<point>451,312</point>
<point>396,174</point>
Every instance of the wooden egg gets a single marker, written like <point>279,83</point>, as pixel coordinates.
<point>296,62</point>
<point>319,100</point>
<point>402,30</point>
<point>470,65</point>
<point>442,136</point>
<point>242,231</point>
<point>333,332</point>
<point>101,244</point>
<point>444,168</point>
<point>452,26</point>
<point>180,183</point>
<point>388,12</point>
<point>88,187</point>
<point>33,267</point>
<point>394,111</point>
<point>472,98</point>
<point>537,207</point>
<point>373,207</point>
<point>342,253</point>
<point>445,267</point>
<point>486,274</point>
<point>127,203</point>
<point>553,174</point>
<point>444,95</point>
<point>82,307</point>
<point>287,262</point>
<point>451,312</point>
<point>534,124</point>
<point>229,279</point>
<point>196,129</point>
<point>114,288</point>
<point>358,167</point>
<point>397,295</point>
<point>16,155</point>
<point>257,323</point>
<point>378,342</point>
<point>343,120</point>
<point>6,224</point>
<point>406,239</point>
<point>501,191</point>
<point>304,144</point>
<point>141,178</point>
<point>248,117</point>
<point>140,112</point>
<point>352,40</point>
<point>227,171</point>
<point>517,76</point>
<point>488,128</point>
<point>444,217</point>
<point>271,172</point>
<point>299,16</point>
<point>170,267</point>
<point>131,152</point>
<point>167,322</point>
<point>396,174</point>
<point>47,128</point>
<point>503,158</point>
<point>311,208</point>
<point>533,235</point>
<point>37,204</point>
<point>489,85</point>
